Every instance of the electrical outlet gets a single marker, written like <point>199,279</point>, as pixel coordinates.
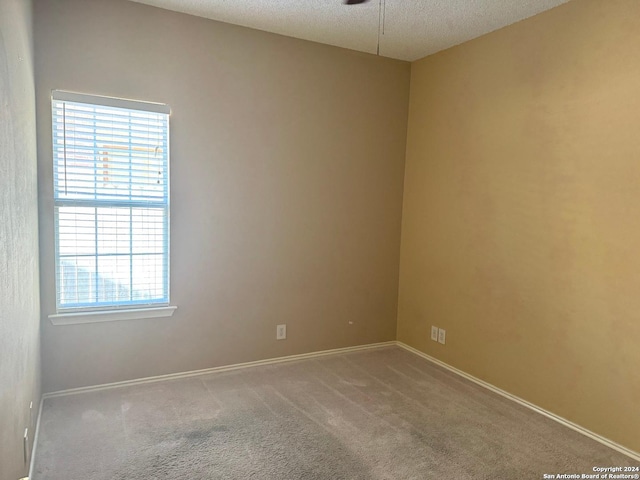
<point>434,333</point>
<point>441,335</point>
<point>281,332</point>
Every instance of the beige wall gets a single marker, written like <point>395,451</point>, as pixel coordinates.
<point>19,296</point>
<point>520,230</point>
<point>519,233</point>
<point>287,163</point>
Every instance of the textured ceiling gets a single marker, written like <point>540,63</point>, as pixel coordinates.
<point>412,28</point>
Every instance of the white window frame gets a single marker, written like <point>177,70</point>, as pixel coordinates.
<point>114,310</point>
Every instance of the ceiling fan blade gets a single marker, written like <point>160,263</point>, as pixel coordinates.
<point>354,2</point>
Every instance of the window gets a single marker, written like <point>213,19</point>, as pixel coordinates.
<point>111,203</point>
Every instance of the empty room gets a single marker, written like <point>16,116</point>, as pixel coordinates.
<point>319,239</point>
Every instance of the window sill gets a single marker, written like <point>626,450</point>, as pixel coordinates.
<point>111,315</point>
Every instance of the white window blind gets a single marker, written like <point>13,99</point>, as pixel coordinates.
<point>111,202</point>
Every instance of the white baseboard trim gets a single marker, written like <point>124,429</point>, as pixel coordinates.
<point>290,358</point>
<point>524,403</point>
<point>35,439</point>
<point>224,368</point>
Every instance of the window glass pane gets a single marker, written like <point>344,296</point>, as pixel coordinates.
<point>148,271</point>
<point>114,281</point>
<point>113,230</point>
<point>148,230</point>
<point>76,231</point>
<point>107,152</point>
<point>76,280</point>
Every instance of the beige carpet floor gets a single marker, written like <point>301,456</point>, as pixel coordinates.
<point>374,414</point>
